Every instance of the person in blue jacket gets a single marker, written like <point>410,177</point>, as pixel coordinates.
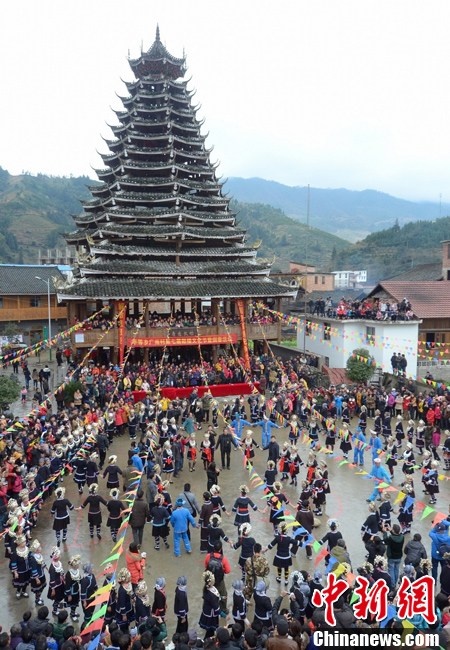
<point>266,426</point>
<point>179,519</point>
<point>439,537</point>
<point>238,425</point>
<point>359,440</point>
<point>375,444</point>
<point>380,475</point>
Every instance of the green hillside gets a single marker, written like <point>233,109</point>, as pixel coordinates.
<point>397,249</point>
<point>34,211</point>
<point>286,238</point>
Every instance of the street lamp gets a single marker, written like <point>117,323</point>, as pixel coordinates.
<point>47,282</point>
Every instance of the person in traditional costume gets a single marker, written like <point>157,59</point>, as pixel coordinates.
<point>38,580</point>
<point>295,462</point>
<point>206,452</point>
<point>270,475</point>
<point>20,567</point>
<point>79,466</point>
<point>94,513</point>
<point>167,461</point>
<point>72,586</point>
<point>346,440</point>
<point>406,508</point>
<point>191,453</point>
<point>142,602</point>
<point>248,445</point>
<point>112,471</point>
<point>125,600</point>
<point>276,505</point>
<point>209,617</point>
<point>56,579</point>
<point>159,607</point>
<point>206,512</point>
<point>88,587</point>
<point>431,482</point>
<point>241,506</point>
<point>92,470</point>
<point>286,549</point>
<point>61,513</point>
<point>285,457</point>
<point>246,544</point>
<point>115,507</point>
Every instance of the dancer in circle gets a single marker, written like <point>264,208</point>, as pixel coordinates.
<point>37,565</point>
<point>92,470</point>
<point>191,452</point>
<point>286,549</point>
<point>115,508</point>
<point>246,544</point>
<point>61,512</point>
<point>112,471</point>
<point>94,513</point>
<point>79,465</point>
<point>241,506</point>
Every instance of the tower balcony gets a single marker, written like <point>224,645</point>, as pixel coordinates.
<point>158,336</point>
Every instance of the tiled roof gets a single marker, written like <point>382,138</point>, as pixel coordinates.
<point>107,248</point>
<point>422,273</point>
<point>337,376</point>
<point>135,288</point>
<point>428,299</point>
<point>172,230</point>
<point>156,267</point>
<point>20,279</point>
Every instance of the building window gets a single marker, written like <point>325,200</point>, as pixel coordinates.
<point>370,335</point>
<point>448,251</point>
<point>1,303</point>
<point>323,279</point>
<point>35,301</point>
<point>316,279</point>
<point>326,331</point>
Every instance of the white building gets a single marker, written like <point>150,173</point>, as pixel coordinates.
<point>349,279</point>
<point>335,339</point>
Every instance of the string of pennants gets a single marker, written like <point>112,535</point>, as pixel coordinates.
<point>23,353</point>
<point>54,478</point>
<point>427,350</point>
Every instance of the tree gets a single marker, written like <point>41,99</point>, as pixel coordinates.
<point>9,391</point>
<point>358,369</point>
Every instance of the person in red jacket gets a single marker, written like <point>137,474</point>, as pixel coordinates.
<point>219,566</point>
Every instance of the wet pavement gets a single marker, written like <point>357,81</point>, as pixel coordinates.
<point>347,503</point>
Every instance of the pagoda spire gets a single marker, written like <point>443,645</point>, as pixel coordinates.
<point>157,37</point>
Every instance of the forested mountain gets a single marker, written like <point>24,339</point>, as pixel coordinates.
<point>348,214</point>
<point>397,249</point>
<point>35,210</point>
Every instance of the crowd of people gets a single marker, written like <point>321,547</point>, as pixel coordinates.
<point>369,308</point>
<point>178,319</point>
<point>168,437</point>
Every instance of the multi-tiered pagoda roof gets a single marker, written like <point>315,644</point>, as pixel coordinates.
<point>159,225</point>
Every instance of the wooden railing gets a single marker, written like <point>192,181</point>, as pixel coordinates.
<point>85,338</point>
<point>32,313</point>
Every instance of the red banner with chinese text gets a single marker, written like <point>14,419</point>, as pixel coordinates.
<point>172,341</point>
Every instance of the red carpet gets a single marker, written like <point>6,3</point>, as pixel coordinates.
<point>218,390</point>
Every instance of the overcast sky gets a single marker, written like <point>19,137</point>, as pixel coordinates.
<point>334,93</point>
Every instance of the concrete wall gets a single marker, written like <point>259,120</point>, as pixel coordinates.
<point>336,339</point>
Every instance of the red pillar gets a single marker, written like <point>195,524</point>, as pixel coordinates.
<point>241,305</point>
<point>122,318</point>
